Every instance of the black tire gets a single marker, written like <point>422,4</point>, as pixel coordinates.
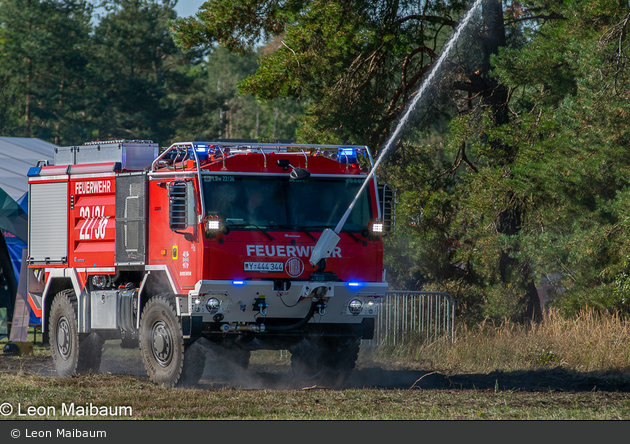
<point>236,357</point>
<point>194,365</point>
<point>162,345</point>
<point>72,353</point>
<point>241,358</point>
<point>306,365</point>
<point>222,361</point>
<point>90,353</point>
<point>340,360</point>
<point>328,361</point>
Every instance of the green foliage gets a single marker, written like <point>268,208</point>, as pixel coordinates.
<point>43,67</point>
<point>572,136</point>
<point>353,64</point>
<point>136,63</point>
<point>513,175</point>
<point>564,189</point>
<point>237,25</point>
<point>215,108</point>
<point>68,77</point>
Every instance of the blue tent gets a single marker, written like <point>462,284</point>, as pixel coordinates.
<point>14,223</point>
<point>17,156</point>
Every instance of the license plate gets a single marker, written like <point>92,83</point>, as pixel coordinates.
<point>263,266</point>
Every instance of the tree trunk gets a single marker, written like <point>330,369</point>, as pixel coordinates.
<point>495,96</point>
<point>27,107</point>
<point>29,67</point>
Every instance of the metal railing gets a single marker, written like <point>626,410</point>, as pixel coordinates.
<point>405,316</point>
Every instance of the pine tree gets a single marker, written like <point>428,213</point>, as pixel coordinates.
<point>44,46</point>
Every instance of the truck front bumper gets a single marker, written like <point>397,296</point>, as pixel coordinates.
<point>255,302</point>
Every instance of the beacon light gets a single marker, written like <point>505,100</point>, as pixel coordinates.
<point>202,150</point>
<point>347,155</point>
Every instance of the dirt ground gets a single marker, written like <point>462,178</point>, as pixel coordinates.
<point>367,375</point>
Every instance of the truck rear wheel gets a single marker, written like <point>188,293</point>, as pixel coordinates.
<point>162,345</point>
<point>325,361</point>
<point>72,353</point>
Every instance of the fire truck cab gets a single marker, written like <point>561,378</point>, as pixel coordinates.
<point>214,240</point>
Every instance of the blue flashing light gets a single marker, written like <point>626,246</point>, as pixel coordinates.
<point>355,284</point>
<point>238,282</point>
<point>34,171</point>
<point>347,155</point>
<point>202,150</point>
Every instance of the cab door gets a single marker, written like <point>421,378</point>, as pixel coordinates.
<point>185,248</point>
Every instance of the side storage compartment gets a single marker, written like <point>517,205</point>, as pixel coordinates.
<point>48,223</point>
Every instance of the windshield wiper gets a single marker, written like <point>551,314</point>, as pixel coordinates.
<point>301,229</point>
<point>351,235</point>
<point>305,231</point>
<point>323,227</point>
<point>262,230</point>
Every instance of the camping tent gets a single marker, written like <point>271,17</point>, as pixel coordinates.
<point>17,156</point>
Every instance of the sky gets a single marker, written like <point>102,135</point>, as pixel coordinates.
<point>185,8</point>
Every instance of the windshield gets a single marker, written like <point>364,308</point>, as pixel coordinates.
<point>278,202</point>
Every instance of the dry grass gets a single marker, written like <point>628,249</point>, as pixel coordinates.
<point>519,372</point>
<point>150,402</point>
<point>586,343</point>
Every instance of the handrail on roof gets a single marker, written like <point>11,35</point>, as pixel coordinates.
<point>248,147</point>
<point>240,147</point>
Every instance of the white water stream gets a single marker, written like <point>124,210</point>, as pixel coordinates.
<point>403,121</point>
<point>329,240</point>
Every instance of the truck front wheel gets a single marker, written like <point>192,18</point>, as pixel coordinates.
<point>72,353</point>
<point>162,345</point>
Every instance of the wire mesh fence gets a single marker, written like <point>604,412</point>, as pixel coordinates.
<point>415,315</point>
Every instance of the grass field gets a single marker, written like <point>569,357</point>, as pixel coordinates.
<point>559,370</point>
<point>149,402</point>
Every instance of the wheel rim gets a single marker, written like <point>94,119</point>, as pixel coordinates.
<point>64,345</point>
<point>162,343</point>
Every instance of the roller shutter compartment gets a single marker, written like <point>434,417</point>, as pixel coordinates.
<point>48,227</point>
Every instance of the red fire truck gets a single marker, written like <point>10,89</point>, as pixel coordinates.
<point>248,245</point>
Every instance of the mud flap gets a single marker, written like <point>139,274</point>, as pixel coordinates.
<point>368,328</point>
<point>192,326</point>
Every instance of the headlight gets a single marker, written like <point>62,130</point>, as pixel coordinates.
<point>377,227</point>
<point>371,306</point>
<point>213,305</point>
<point>212,224</point>
<point>355,306</point>
<point>99,281</point>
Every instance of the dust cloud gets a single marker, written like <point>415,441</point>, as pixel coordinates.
<point>219,372</point>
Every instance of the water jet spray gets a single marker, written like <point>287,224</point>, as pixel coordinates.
<point>330,238</point>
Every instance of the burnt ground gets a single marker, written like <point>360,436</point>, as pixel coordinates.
<point>366,375</point>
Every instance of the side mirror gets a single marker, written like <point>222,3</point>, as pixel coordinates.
<point>296,173</point>
<point>299,174</point>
